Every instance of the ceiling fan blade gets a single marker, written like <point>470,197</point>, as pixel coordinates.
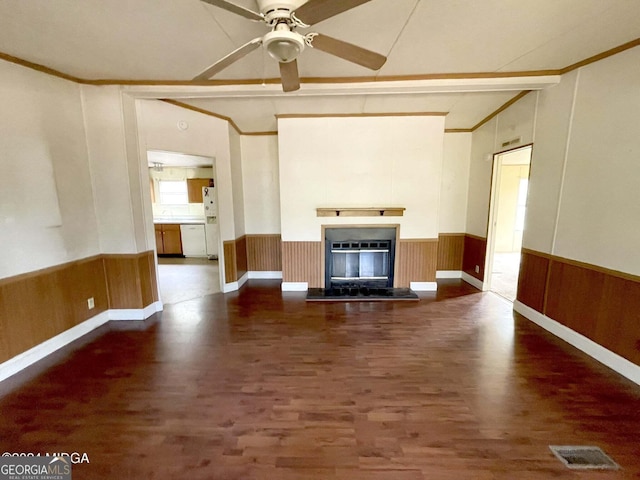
<point>315,11</point>
<point>237,9</point>
<point>348,51</point>
<point>224,62</point>
<point>289,76</point>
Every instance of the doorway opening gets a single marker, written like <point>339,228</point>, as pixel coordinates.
<point>185,221</point>
<point>506,220</point>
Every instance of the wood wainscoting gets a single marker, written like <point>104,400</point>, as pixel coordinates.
<point>251,253</point>
<point>416,261</point>
<point>450,251</point>
<point>235,259</point>
<point>39,305</point>
<point>302,262</point>
<point>131,280</point>
<point>475,252</point>
<point>264,253</point>
<point>601,304</point>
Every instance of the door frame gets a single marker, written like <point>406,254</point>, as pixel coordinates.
<point>494,202</point>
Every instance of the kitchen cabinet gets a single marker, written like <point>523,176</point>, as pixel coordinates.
<point>194,188</point>
<point>168,239</point>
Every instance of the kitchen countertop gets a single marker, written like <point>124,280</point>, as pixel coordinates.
<point>180,221</point>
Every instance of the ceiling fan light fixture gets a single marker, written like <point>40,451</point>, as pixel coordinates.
<point>284,45</point>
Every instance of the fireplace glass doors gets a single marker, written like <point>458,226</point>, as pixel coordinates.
<point>360,257</point>
<point>360,261</point>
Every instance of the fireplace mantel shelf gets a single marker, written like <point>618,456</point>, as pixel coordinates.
<point>360,212</point>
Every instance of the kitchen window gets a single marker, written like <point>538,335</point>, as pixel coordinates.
<point>173,192</point>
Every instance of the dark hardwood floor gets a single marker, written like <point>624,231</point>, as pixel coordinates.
<point>261,385</point>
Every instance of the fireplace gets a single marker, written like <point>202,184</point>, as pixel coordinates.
<point>361,257</point>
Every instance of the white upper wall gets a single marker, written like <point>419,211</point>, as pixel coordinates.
<point>236,181</point>
<point>360,162</point>
<point>109,171</point>
<point>260,184</point>
<point>549,149</point>
<point>455,182</point>
<point>599,220</point>
<point>47,212</point>
<point>482,150</point>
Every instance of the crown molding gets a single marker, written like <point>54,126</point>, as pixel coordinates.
<point>408,81</point>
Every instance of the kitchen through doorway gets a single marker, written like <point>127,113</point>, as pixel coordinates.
<point>507,217</point>
<point>184,205</point>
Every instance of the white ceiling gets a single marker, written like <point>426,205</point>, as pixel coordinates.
<point>173,40</point>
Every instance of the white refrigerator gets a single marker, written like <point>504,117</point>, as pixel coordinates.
<point>211,231</point>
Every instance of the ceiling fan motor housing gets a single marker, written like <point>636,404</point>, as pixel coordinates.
<point>283,44</point>
<point>273,9</point>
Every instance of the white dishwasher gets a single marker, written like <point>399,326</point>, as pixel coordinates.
<point>193,240</point>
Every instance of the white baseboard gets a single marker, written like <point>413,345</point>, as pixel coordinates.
<point>243,279</point>
<point>448,274</point>
<point>230,287</point>
<point>123,314</point>
<point>31,356</point>
<point>423,286</point>
<point>472,280</point>
<point>605,356</point>
<point>265,275</point>
<point>295,286</point>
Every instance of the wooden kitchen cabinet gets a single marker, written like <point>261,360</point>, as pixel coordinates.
<point>194,188</point>
<point>168,241</point>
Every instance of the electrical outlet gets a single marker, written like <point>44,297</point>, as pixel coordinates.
<point>477,268</point>
<point>91,303</point>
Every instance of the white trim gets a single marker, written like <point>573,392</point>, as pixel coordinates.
<point>40,351</point>
<point>423,286</point>
<point>449,274</point>
<point>295,286</point>
<point>235,286</point>
<point>230,287</point>
<point>612,360</point>
<point>472,280</point>
<point>443,85</point>
<point>265,275</point>
<point>124,314</point>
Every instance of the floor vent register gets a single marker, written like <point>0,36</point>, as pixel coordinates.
<point>583,457</point>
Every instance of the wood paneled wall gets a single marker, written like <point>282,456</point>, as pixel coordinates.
<point>601,304</point>
<point>251,253</point>
<point>39,305</point>
<point>475,250</point>
<point>241,256</point>
<point>264,253</point>
<point>230,266</point>
<point>532,281</point>
<point>416,261</point>
<point>450,251</point>
<point>302,262</point>
<point>131,280</point>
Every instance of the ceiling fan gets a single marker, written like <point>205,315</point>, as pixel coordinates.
<point>284,43</point>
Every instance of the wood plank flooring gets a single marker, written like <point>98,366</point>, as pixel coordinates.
<point>261,385</point>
